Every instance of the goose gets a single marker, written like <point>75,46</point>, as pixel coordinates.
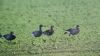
<point>38,33</point>
<point>9,36</point>
<point>73,31</point>
<point>49,32</point>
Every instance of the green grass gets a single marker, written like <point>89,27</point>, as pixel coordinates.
<point>24,16</point>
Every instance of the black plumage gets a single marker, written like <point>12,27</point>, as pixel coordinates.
<point>73,31</point>
<point>9,36</point>
<point>49,32</point>
<point>38,33</point>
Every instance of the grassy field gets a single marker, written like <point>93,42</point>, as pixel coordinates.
<point>24,16</point>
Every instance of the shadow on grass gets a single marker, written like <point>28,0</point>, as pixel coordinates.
<point>9,43</point>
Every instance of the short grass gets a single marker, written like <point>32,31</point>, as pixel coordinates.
<point>24,16</point>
